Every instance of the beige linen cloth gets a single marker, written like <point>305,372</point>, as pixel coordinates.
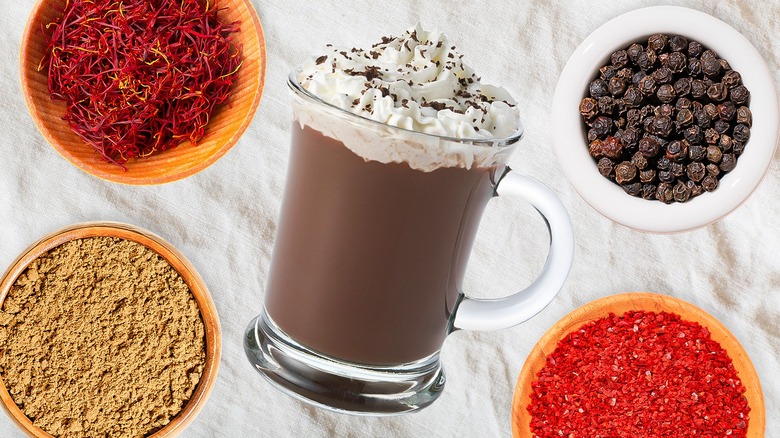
<point>223,219</point>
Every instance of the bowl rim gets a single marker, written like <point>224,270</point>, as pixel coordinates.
<point>126,177</point>
<point>208,313</point>
<point>619,304</point>
<point>608,198</point>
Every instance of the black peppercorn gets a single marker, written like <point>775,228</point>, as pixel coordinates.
<point>696,171</point>
<point>639,161</point>
<point>607,72</point>
<point>694,134</point>
<point>683,102</point>
<point>647,176</point>
<point>647,85</point>
<point>660,125</point>
<point>712,111</point>
<point>708,54</point>
<point>695,188</point>
<point>606,105</point>
<point>633,189</point>
<point>740,94</point>
<point>684,118</point>
<point>714,154</point>
<point>625,172</point>
<point>712,170</point>
<point>663,163</point>
<point>717,92</point>
<point>665,176</point>
<point>633,52</point>
<point>637,77</point>
<point>709,183</point>
<point>664,193</point>
<point>664,110</point>
<point>710,67</point>
<point>632,98</point>
<point>598,88</point>
<point>625,74</point>
<point>617,86</point>
<point>703,119</point>
<point>648,191</point>
<point>630,136</point>
<point>676,62</point>
<point>731,79</point>
<point>681,192</point>
<point>646,59</point>
<point>741,133</point>
<point>663,75</point>
<point>725,143</point>
<point>677,170</point>
<point>606,167</point>
<point>619,59</point>
<point>678,43</point>
<point>711,136</point>
<point>698,88</point>
<point>649,147</point>
<point>728,162</point>
<point>602,126</point>
<point>727,110</point>
<point>721,126</point>
<point>588,108</point>
<point>657,42</point>
<point>744,116</point>
<point>694,67</point>
<point>666,93</point>
<point>695,49</point>
<point>682,86</point>
<point>697,152</point>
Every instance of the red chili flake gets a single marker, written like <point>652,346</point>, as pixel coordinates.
<point>140,76</point>
<point>642,374</point>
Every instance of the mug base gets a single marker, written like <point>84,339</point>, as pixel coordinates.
<point>337,385</point>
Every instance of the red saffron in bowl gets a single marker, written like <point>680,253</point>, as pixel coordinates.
<point>140,76</point>
<point>642,374</point>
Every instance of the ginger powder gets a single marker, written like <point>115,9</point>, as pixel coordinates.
<point>101,337</point>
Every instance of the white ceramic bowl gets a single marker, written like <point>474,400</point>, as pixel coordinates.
<point>571,142</point>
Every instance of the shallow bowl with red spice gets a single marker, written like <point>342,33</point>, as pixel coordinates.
<point>665,119</point>
<point>105,330</point>
<point>141,92</point>
<point>638,364</point>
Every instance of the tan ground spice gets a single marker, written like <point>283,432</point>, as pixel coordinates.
<point>101,337</point>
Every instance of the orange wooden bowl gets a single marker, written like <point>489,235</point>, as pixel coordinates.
<point>619,304</point>
<point>213,338</point>
<point>227,123</point>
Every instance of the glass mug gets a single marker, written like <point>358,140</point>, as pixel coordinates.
<point>367,268</point>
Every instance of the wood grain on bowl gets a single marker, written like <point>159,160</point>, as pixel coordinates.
<point>619,304</point>
<point>227,124</point>
<point>196,286</point>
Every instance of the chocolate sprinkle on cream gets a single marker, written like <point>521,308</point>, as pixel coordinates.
<point>416,81</point>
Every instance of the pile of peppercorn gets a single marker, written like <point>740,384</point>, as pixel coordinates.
<point>667,119</point>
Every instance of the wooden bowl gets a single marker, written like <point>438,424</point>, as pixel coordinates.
<point>227,123</point>
<point>213,339</point>
<point>619,304</point>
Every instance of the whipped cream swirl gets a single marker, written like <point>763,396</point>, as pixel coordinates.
<point>416,81</point>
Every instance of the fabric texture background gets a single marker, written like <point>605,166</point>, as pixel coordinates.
<point>223,219</point>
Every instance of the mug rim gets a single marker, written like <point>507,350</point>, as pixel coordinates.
<point>495,142</point>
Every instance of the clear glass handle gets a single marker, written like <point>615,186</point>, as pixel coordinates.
<point>474,314</point>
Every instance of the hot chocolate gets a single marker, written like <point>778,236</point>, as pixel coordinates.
<point>376,227</point>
